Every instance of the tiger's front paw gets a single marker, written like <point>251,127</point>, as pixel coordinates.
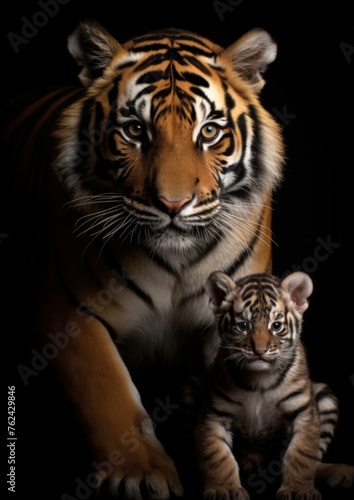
<point>150,471</point>
<point>237,493</point>
<point>290,494</point>
<point>141,470</point>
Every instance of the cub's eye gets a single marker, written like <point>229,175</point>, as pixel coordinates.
<point>209,132</point>
<point>277,327</point>
<point>134,129</point>
<point>243,326</point>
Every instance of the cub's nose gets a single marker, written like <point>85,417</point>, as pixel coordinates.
<point>260,350</point>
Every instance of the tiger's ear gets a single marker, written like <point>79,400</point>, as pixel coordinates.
<point>218,285</point>
<point>299,286</point>
<point>250,56</point>
<point>92,47</point>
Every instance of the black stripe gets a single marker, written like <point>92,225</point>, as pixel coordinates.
<point>195,79</point>
<point>26,125</point>
<point>260,293</point>
<point>291,395</point>
<point>126,64</point>
<point>113,100</point>
<point>190,38</point>
<point>162,263</point>
<point>307,455</point>
<point>154,59</point>
<point>292,415</point>
<point>325,393</point>
<point>333,411</point>
<point>146,90</point>
<point>331,421</point>
<point>326,435</point>
<point>30,98</point>
<point>195,50</point>
<point>133,287</point>
<point>209,247</point>
<point>249,292</point>
<point>247,253</point>
<point>39,154</point>
<point>191,296</point>
<point>151,47</point>
<point>292,327</point>
<point>239,167</point>
<point>198,64</point>
<point>230,149</point>
<point>219,392</point>
<point>220,413</point>
<point>202,50</point>
<point>79,305</point>
<point>101,165</point>
<point>256,146</point>
<point>229,103</point>
<point>213,457</point>
<point>173,34</point>
<point>84,145</point>
<point>152,77</point>
<point>119,274</point>
<point>90,270</point>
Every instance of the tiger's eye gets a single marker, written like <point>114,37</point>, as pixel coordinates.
<point>209,132</point>
<point>134,129</point>
<point>243,326</point>
<point>277,326</point>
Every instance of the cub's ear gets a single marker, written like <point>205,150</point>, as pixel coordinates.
<point>93,48</point>
<point>299,286</point>
<point>251,55</point>
<point>218,285</point>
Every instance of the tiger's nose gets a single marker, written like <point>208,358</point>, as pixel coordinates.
<point>174,206</point>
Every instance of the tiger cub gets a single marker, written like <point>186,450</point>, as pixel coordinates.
<point>261,401</point>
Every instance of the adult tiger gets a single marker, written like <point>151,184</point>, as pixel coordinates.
<point>159,171</point>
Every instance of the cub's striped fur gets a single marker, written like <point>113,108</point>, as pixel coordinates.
<point>131,189</point>
<point>262,403</point>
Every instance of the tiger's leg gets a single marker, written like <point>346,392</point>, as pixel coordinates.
<point>218,467</point>
<point>327,405</point>
<point>335,475</point>
<point>117,426</point>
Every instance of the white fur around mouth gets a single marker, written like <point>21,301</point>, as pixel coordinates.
<point>258,364</point>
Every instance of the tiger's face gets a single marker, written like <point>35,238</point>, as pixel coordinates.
<point>176,135</point>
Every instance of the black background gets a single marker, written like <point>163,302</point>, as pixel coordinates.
<point>310,91</point>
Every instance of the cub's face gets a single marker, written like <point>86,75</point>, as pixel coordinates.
<point>259,318</point>
<point>256,333</point>
<point>177,135</point>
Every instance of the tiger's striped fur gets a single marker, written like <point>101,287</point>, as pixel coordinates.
<point>262,403</point>
<point>133,188</point>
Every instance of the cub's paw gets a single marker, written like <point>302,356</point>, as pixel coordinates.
<point>289,494</point>
<point>226,494</point>
<point>336,475</point>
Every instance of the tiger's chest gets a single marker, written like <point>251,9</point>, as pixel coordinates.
<point>155,314</point>
<point>259,418</point>
<point>259,431</point>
